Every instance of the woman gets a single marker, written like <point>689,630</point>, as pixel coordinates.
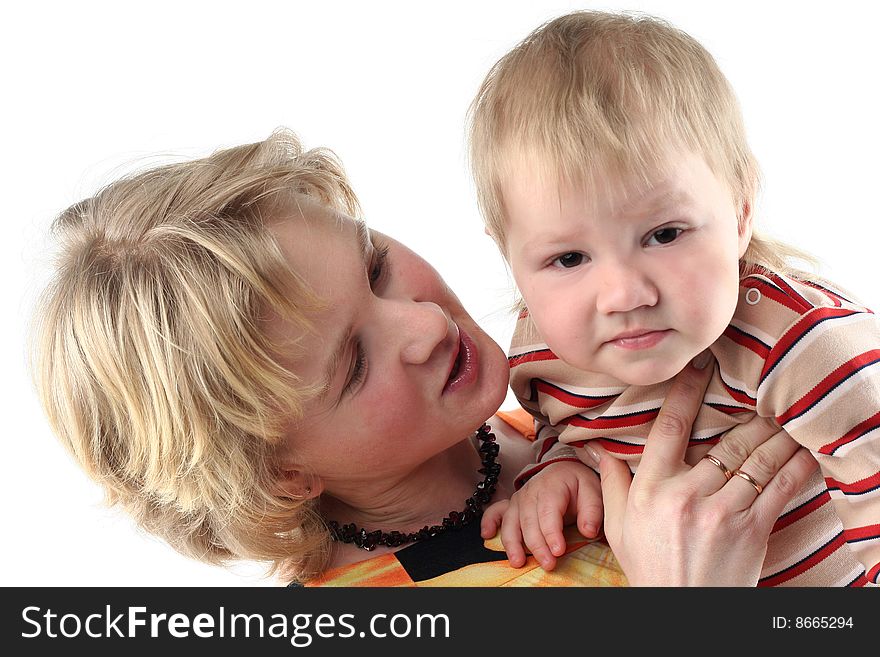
<point>239,362</point>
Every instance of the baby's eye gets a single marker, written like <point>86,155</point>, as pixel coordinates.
<point>569,260</point>
<point>664,236</point>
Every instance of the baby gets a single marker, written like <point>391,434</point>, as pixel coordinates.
<point>613,172</point>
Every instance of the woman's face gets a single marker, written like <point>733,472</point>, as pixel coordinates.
<point>408,373</point>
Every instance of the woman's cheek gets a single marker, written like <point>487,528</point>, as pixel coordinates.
<point>389,407</point>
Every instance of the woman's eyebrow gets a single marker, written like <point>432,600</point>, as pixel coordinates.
<point>363,239</point>
<point>362,235</point>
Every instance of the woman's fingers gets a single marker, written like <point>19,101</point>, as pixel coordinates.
<point>716,467</point>
<point>616,479</point>
<point>779,491</point>
<point>750,478</point>
<point>710,480</point>
<point>668,439</point>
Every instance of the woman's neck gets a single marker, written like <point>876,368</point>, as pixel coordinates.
<point>424,497</point>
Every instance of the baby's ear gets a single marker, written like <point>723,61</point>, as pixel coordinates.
<point>744,224</point>
<point>297,484</point>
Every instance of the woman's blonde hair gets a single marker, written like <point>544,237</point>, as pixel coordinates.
<point>149,357</point>
<point>592,92</point>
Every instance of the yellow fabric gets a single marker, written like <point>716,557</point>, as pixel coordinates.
<point>587,563</point>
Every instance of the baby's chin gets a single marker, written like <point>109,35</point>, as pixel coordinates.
<point>645,379</point>
<point>647,373</point>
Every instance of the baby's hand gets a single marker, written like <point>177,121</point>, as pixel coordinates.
<point>535,515</point>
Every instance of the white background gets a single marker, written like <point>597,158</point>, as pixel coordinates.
<point>89,89</point>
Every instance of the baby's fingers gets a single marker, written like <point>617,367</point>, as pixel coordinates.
<point>511,536</point>
<point>551,516</point>
<point>541,521</point>
<point>492,518</point>
<point>590,511</point>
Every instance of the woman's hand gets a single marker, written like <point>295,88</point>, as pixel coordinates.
<point>676,525</point>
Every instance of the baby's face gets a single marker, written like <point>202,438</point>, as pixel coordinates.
<point>627,281</point>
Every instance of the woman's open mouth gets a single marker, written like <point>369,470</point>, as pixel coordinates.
<point>464,368</point>
<point>455,367</point>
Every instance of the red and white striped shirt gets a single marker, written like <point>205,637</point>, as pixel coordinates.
<point>797,352</point>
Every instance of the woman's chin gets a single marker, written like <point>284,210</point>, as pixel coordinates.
<point>496,376</point>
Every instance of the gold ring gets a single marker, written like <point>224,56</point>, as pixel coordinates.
<point>748,478</point>
<point>716,461</point>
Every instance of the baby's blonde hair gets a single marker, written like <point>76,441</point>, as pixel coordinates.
<point>149,357</point>
<point>593,92</point>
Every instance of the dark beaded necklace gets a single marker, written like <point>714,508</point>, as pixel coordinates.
<point>472,511</point>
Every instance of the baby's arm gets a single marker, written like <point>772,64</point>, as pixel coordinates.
<point>535,515</point>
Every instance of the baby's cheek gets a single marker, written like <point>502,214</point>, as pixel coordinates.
<point>567,333</point>
<point>710,304</point>
<point>576,348</point>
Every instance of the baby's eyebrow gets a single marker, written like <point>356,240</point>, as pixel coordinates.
<point>660,197</point>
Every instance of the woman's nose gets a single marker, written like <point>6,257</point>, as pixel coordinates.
<point>422,326</point>
<point>623,287</point>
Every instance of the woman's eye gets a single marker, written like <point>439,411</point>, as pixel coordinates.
<point>378,264</point>
<point>569,260</point>
<point>377,273</point>
<point>664,236</point>
<point>358,369</point>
